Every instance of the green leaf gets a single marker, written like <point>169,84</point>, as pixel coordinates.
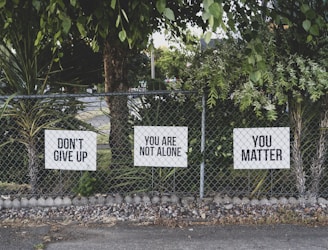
<point>38,38</point>
<point>118,20</point>
<point>2,3</point>
<point>94,45</point>
<point>207,37</point>
<point>80,27</point>
<point>216,10</point>
<point>36,4</point>
<point>314,30</point>
<point>305,8</point>
<point>251,60</point>
<point>169,14</point>
<point>125,15</point>
<point>310,14</point>
<point>122,35</point>
<point>66,24</point>
<point>161,5</point>
<point>73,2</point>
<point>309,38</point>
<point>113,4</point>
<point>255,76</point>
<point>306,25</point>
<point>207,4</point>
<point>231,24</point>
<point>57,35</point>
<point>206,16</point>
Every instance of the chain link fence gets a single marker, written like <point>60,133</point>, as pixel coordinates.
<point>209,151</point>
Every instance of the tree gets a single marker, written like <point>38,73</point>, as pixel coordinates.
<point>28,70</point>
<point>287,67</point>
<point>298,77</point>
<point>119,29</point>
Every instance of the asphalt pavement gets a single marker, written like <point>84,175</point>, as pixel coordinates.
<point>127,236</point>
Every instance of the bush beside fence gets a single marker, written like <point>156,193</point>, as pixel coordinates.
<point>210,171</point>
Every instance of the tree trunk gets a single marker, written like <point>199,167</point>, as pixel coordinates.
<point>115,81</point>
<point>297,122</point>
<point>33,165</point>
<point>317,166</point>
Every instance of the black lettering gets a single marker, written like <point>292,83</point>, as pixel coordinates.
<point>81,156</point>
<point>81,140</point>
<point>261,154</point>
<point>60,155</point>
<point>146,151</point>
<point>279,155</point>
<point>254,140</point>
<point>253,155</point>
<point>245,155</point>
<point>169,151</point>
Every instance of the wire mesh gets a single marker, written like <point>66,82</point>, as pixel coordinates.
<point>23,169</point>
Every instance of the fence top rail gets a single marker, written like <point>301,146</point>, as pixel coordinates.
<point>128,93</point>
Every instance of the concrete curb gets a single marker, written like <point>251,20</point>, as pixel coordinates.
<point>109,200</point>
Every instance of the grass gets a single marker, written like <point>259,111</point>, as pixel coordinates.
<point>13,187</point>
<point>85,116</point>
<point>103,136</point>
<point>103,159</point>
<point>39,246</point>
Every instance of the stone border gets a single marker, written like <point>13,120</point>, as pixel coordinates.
<point>109,200</point>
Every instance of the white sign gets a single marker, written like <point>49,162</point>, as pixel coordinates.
<point>261,148</point>
<point>70,150</point>
<point>160,146</point>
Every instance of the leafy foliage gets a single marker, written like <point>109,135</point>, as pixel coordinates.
<point>86,186</point>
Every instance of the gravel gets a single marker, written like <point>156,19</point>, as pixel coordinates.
<point>165,210</point>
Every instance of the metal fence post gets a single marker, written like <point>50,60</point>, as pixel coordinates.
<point>202,148</point>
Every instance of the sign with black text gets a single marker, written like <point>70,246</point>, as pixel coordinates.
<point>160,146</point>
<point>261,148</point>
<point>70,150</point>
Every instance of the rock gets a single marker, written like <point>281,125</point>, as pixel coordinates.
<point>322,201</point>
<point>293,201</point>
<point>101,200</point>
<point>227,199</point>
<point>84,201</point>
<point>282,201</point>
<point>245,201</point>
<point>49,202</point>
<point>311,200</point>
<point>67,201</point>
<point>7,203</point>
<point>93,200</point>
<point>118,199</point>
<point>136,199</point>
<point>254,202</point>
<point>218,199</point>
<point>109,201</point>
<point>228,206</point>
<point>155,199</point>
<point>77,201</point>
<point>58,201</point>
<point>41,202</point>
<point>264,202</point>
<point>273,201</point>
<point>128,199</point>
<point>165,199</point>
<point>24,202</point>
<point>33,202</point>
<point>146,200</point>
<point>175,199</point>
<point>236,201</point>
<point>186,201</point>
